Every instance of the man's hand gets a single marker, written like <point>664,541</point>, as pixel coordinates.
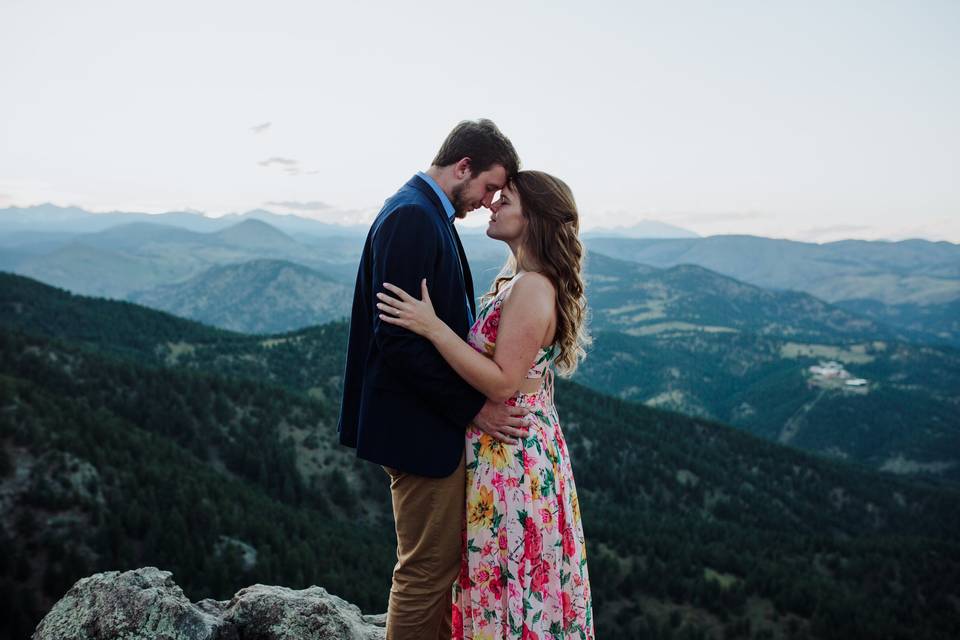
<point>501,421</point>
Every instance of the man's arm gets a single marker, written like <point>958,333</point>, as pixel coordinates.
<point>404,250</point>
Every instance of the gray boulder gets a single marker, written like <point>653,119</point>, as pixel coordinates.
<point>147,604</point>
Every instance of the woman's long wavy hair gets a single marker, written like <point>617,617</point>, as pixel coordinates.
<point>552,241</point>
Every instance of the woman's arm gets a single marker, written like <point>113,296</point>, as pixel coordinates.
<point>403,249</point>
<point>526,316</point>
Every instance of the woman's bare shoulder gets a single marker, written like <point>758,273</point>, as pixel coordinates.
<point>533,287</point>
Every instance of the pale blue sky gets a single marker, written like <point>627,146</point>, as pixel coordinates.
<point>806,120</point>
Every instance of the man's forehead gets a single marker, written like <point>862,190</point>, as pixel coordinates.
<point>496,176</point>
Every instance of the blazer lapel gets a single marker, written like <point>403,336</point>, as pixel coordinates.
<point>465,268</point>
<point>417,183</point>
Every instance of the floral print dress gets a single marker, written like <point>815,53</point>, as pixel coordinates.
<point>524,566</point>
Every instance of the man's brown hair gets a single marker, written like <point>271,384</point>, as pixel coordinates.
<point>482,142</point>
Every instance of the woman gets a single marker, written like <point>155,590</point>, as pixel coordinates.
<point>524,572</point>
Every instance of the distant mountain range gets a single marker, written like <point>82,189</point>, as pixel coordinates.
<point>938,321</point>
<point>130,437</point>
<point>906,272</point>
<point>157,264</point>
<point>637,299</point>
<point>642,229</point>
<point>678,336</point>
<point>118,261</point>
<point>691,340</point>
<point>50,218</point>
<point>257,296</point>
<point>914,272</point>
<point>46,218</point>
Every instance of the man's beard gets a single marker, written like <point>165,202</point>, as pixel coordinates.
<point>458,201</point>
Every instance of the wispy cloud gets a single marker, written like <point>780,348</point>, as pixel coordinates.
<point>290,162</point>
<point>313,205</point>
<point>289,166</point>
<point>260,128</point>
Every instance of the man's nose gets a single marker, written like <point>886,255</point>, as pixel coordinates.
<point>488,201</point>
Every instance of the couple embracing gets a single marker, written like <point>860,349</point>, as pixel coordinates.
<point>456,403</point>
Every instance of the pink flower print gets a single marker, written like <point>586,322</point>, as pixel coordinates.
<point>569,548</point>
<point>540,577</point>
<point>498,481</point>
<point>532,542</point>
<point>494,584</point>
<point>464,579</point>
<point>482,574</point>
<point>569,615</point>
<point>547,516</point>
<point>456,623</point>
<point>490,327</point>
<point>562,445</point>
<point>528,462</point>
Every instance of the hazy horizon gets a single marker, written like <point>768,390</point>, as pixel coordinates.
<point>476,222</point>
<point>816,122</point>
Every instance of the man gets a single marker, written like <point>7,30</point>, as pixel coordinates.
<point>403,407</point>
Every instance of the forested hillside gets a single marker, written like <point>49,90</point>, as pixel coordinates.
<point>213,455</point>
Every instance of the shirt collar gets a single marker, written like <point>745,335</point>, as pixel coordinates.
<point>444,200</point>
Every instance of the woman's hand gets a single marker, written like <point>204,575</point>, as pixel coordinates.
<point>415,315</point>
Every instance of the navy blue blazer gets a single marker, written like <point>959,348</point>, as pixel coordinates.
<point>403,406</point>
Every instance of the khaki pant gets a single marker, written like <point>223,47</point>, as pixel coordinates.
<point>428,513</point>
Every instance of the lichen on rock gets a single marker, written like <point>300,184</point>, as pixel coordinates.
<point>147,604</point>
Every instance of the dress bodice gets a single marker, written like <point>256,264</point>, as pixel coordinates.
<point>483,334</point>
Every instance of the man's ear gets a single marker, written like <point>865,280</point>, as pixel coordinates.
<point>462,170</point>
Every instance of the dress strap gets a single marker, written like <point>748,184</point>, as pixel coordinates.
<point>496,298</point>
<point>548,383</point>
<point>507,285</point>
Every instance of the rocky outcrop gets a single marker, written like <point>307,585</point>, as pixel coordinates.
<point>147,604</point>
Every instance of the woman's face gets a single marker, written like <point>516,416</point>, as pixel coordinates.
<point>506,218</point>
